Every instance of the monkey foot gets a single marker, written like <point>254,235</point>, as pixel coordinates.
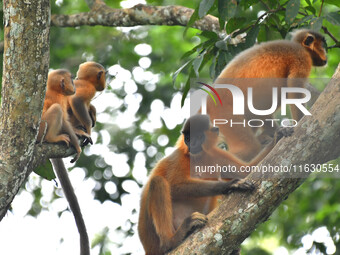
<point>63,138</point>
<point>198,220</point>
<point>242,184</point>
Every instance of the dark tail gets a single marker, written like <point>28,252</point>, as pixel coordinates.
<point>62,174</point>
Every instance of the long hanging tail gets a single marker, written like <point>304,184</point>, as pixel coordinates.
<point>62,174</point>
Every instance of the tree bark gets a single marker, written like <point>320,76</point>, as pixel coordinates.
<point>138,15</point>
<point>25,67</point>
<point>315,140</point>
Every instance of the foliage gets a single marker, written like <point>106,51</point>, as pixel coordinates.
<point>253,21</point>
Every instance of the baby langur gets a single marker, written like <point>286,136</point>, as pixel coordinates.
<point>287,64</point>
<point>54,128</point>
<point>82,115</point>
<point>173,203</point>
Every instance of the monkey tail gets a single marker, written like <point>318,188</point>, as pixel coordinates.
<point>61,172</point>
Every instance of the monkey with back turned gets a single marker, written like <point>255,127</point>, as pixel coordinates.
<point>289,62</point>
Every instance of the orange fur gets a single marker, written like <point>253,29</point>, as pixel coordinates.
<point>279,59</point>
<point>173,203</point>
<point>59,87</point>
<point>90,79</point>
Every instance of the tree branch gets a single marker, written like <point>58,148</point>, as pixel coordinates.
<point>325,29</point>
<point>101,14</point>
<point>315,141</point>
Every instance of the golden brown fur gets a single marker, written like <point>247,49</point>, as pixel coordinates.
<point>90,79</point>
<point>290,62</point>
<point>54,117</point>
<point>173,203</point>
<point>55,127</point>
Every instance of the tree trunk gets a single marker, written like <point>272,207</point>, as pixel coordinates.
<point>25,68</point>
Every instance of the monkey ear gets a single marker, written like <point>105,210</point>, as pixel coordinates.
<point>99,75</point>
<point>62,83</point>
<point>308,40</point>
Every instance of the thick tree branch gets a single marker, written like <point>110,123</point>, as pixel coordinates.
<point>315,141</point>
<point>25,67</point>
<point>44,151</point>
<point>101,14</point>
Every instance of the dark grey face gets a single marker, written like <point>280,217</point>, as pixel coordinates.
<point>194,132</point>
<point>319,42</point>
<point>194,142</point>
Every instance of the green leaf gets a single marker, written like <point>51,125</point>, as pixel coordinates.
<point>305,19</point>
<point>45,171</point>
<point>227,9</point>
<point>204,7</point>
<point>235,23</point>
<point>308,2</point>
<point>311,9</point>
<point>190,52</point>
<point>316,24</point>
<point>209,35</point>
<point>199,47</point>
<point>197,63</point>
<point>186,88</point>
<point>252,35</point>
<point>334,2</point>
<point>208,55</point>
<point>174,76</point>
<point>334,18</point>
<point>292,10</point>
<point>221,62</point>
<point>248,3</point>
<point>222,45</point>
<point>191,21</point>
<point>212,68</point>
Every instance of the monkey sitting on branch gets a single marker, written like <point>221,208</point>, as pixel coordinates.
<point>173,203</point>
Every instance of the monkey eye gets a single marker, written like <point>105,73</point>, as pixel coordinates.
<point>309,40</point>
<point>187,138</point>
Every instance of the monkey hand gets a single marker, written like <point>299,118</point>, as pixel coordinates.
<point>240,185</point>
<point>86,141</point>
<point>80,132</point>
<point>283,132</point>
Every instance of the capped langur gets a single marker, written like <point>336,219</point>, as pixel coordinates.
<point>55,127</point>
<point>82,115</point>
<point>174,204</point>
<point>287,64</point>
